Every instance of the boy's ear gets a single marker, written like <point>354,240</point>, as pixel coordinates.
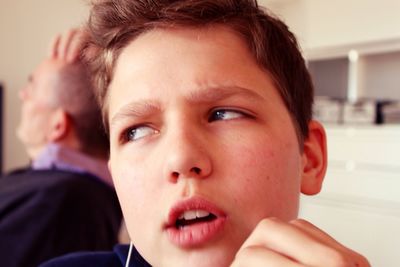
<point>59,126</point>
<point>314,159</point>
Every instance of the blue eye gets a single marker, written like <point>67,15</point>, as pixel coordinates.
<point>136,133</point>
<point>225,114</point>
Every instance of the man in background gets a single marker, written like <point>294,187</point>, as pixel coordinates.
<point>64,201</point>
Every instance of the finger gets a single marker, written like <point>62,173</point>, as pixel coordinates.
<point>261,256</point>
<point>319,234</point>
<point>65,42</point>
<point>53,48</point>
<point>293,243</point>
<point>75,47</point>
<point>355,258</point>
<point>316,233</point>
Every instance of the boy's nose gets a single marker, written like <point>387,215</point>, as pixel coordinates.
<point>188,158</point>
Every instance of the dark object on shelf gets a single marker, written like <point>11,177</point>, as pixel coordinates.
<point>388,112</point>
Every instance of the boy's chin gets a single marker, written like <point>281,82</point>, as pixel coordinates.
<point>199,258</point>
<point>204,261</point>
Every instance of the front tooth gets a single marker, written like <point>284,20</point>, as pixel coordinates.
<point>201,213</point>
<point>189,215</point>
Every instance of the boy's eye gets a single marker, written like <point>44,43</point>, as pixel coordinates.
<point>225,114</point>
<point>136,133</point>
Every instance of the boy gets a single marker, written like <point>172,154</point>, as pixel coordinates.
<point>208,107</point>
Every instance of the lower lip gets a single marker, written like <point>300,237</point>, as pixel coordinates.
<point>196,234</point>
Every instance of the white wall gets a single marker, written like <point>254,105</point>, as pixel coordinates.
<point>26,27</point>
<point>320,23</point>
<point>351,21</point>
<point>293,13</point>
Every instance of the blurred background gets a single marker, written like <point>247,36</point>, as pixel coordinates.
<point>26,28</point>
<point>352,48</point>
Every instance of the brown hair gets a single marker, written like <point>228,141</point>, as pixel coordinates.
<point>114,23</point>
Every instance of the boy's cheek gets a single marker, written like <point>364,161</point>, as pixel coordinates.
<point>129,183</point>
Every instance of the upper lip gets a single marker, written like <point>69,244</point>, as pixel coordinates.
<point>193,203</point>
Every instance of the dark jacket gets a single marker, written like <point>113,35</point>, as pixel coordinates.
<point>116,258</point>
<point>47,213</point>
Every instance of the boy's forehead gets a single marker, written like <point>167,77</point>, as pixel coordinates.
<point>216,36</point>
<point>218,45</point>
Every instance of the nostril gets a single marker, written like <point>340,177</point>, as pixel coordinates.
<point>196,170</point>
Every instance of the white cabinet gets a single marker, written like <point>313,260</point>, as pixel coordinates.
<point>360,201</point>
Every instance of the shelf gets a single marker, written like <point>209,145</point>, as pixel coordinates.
<point>358,71</point>
<point>373,47</point>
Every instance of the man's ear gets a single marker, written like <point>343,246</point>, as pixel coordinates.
<point>109,164</point>
<point>59,126</point>
<point>314,159</point>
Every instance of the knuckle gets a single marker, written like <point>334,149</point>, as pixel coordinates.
<point>343,258</point>
<point>337,258</point>
<point>361,261</point>
<point>300,222</point>
<point>245,252</point>
<point>242,256</point>
<point>267,223</point>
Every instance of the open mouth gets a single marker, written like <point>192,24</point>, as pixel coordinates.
<point>193,222</point>
<point>191,217</point>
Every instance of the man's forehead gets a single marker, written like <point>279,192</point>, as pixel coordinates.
<point>50,66</point>
<point>46,77</point>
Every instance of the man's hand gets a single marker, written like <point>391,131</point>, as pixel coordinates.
<point>297,243</point>
<point>67,46</point>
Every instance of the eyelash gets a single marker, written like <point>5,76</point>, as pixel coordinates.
<point>226,110</point>
<point>126,134</point>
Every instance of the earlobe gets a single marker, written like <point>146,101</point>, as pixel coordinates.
<point>58,126</point>
<point>109,165</point>
<point>314,159</point>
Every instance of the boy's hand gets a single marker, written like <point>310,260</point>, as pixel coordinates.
<point>68,46</point>
<point>297,243</point>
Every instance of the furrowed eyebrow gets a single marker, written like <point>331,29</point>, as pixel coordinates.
<point>215,94</point>
<point>139,109</point>
<point>145,108</point>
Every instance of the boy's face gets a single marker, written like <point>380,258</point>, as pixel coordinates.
<point>199,129</point>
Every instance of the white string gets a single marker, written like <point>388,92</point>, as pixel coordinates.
<point>129,254</point>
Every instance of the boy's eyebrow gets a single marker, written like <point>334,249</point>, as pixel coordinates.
<point>140,109</point>
<point>144,108</point>
<point>215,94</point>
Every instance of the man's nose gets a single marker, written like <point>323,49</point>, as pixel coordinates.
<point>22,93</point>
<point>189,156</point>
